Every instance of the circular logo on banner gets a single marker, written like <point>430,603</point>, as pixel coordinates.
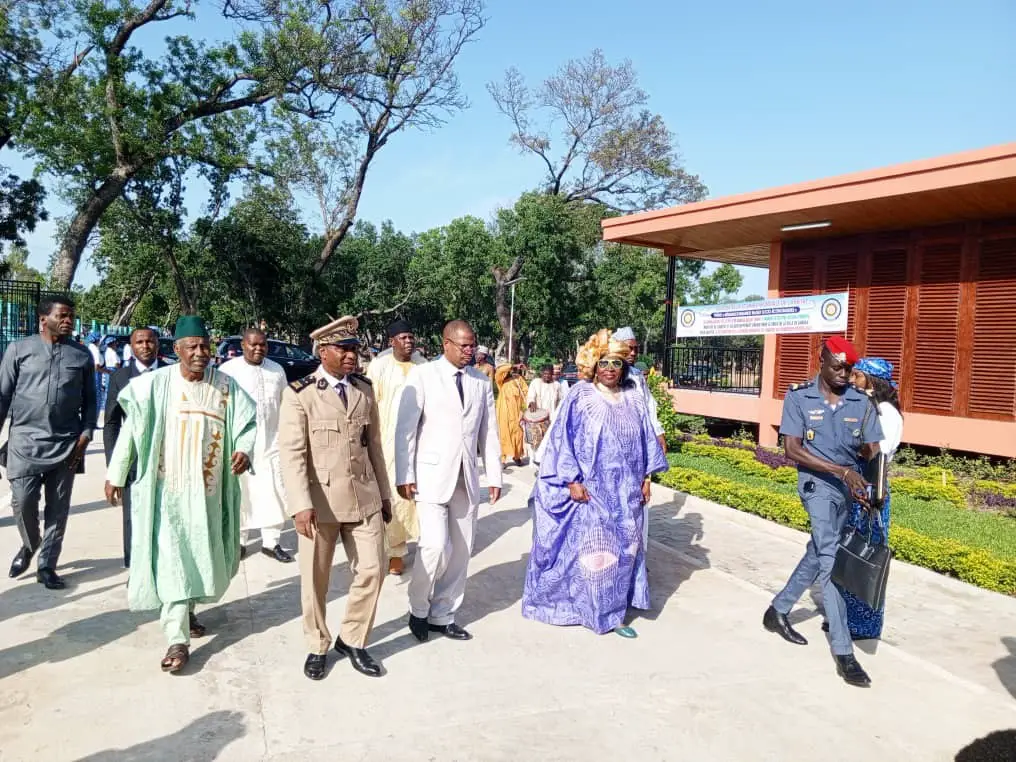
<point>688,318</point>
<point>831,309</point>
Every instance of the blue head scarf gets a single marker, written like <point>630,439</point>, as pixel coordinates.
<point>877,367</point>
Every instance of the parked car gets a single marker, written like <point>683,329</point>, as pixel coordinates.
<point>700,374</point>
<point>570,373</point>
<point>167,352</point>
<point>295,361</point>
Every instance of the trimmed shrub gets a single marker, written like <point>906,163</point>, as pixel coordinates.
<point>978,567</point>
<point>927,490</point>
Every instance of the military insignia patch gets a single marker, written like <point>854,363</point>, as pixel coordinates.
<point>811,434</point>
<point>301,383</point>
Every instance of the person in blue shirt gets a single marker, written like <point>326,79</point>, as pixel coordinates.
<point>826,424</point>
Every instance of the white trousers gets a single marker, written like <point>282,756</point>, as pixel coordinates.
<point>270,536</point>
<point>442,557</point>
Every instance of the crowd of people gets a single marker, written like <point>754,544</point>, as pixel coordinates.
<point>204,458</point>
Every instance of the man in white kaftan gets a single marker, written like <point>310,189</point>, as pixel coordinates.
<point>191,430</point>
<point>387,374</point>
<point>627,336</point>
<point>264,503</point>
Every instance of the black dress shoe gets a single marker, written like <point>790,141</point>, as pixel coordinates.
<point>278,554</point>
<point>419,627</point>
<point>21,562</point>
<point>852,672</point>
<point>50,579</point>
<point>359,658</point>
<point>776,622</point>
<point>314,667</point>
<point>452,631</point>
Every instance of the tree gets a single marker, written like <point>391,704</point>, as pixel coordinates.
<point>609,148</point>
<point>721,285</point>
<point>24,63</point>
<point>123,111</point>
<point>15,266</point>
<point>631,283</point>
<point>556,239</point>
<point>405,79</point>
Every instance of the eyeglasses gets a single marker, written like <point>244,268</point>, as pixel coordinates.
<point>461,346</point>
<point>616,364</point>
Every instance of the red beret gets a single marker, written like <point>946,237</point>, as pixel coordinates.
<point>842,349</point>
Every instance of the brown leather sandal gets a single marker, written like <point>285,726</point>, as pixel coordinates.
<point>176,658</point>
<point>197,630</point>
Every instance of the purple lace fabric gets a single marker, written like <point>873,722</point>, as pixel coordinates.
<point>588,564</point>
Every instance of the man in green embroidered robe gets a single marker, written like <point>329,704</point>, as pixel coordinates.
<point>191,430</point>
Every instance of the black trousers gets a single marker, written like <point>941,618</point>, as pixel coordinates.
<point>126,508</point>
<point>26,492</point>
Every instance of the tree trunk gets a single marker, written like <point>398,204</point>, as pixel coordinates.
<point>85,219</point>
<point>187,306</point>
<point>502,300</point>
<point>130,301</point>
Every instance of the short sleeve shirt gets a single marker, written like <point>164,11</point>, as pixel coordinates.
<point>833,433</point>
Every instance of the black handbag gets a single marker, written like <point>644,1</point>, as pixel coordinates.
<point>862,567</point>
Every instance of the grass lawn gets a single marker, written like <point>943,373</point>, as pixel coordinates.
<point>937,519</point>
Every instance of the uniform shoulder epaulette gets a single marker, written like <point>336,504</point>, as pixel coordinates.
<point>361,377</point>
<point>302,383</point>
<point>802,385</point>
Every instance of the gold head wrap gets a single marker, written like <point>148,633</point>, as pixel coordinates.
<point>600,345</point>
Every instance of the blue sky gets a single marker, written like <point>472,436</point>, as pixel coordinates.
<point>759,94</point>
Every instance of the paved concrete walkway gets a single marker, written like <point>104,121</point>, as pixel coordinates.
<point>79,677</point>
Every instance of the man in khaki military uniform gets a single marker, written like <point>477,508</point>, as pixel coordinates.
<point>336,487</point>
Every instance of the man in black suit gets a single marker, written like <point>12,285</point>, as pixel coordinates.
<point>145,346</point>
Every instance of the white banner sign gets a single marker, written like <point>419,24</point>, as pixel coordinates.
<point>823,313</point>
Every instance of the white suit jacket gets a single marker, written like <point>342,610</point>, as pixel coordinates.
<point>437,436</point>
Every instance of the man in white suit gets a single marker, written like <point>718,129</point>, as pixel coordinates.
<point>446,413</point>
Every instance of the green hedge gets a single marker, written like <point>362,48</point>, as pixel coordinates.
<point>928,490</point>
<point>972,565</point>
<point>742,460</point>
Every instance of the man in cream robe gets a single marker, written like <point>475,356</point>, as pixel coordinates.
<point>191,430</point>
<point>388,376</point>
<point>264,505</point>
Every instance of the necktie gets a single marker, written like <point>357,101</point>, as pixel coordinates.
<point>458,383</point>
<point>342,393</point>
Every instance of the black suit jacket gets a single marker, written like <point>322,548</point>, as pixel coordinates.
<point>115,413</point>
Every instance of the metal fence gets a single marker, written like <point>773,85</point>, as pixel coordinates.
<point>19,304</point>
<point>738,371</point>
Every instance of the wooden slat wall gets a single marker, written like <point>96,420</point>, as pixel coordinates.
<point>937,328</point>
<point>939,303</point>
<point>993,366</point>
<point>887,305</point>
<point>794,350</point>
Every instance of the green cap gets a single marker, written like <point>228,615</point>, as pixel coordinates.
<point>190,326</point>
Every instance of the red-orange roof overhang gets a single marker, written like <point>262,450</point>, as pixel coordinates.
<point>739,229</point>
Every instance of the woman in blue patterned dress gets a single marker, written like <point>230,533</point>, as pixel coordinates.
<point>588,563</point>
<point>874,375</point>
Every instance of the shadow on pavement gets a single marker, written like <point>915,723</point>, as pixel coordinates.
<point>681,533</point>
<point>72,640</point>
<point>1005,667</point>
<point>999,746</point>
<point>95,505</point>
<point>490,527</point>
<point>230,623</point>
<point>203,739</point>
<point>29,597</point>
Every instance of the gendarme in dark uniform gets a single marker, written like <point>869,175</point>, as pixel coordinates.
<point>47,390</point>
<point>835,433</point>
